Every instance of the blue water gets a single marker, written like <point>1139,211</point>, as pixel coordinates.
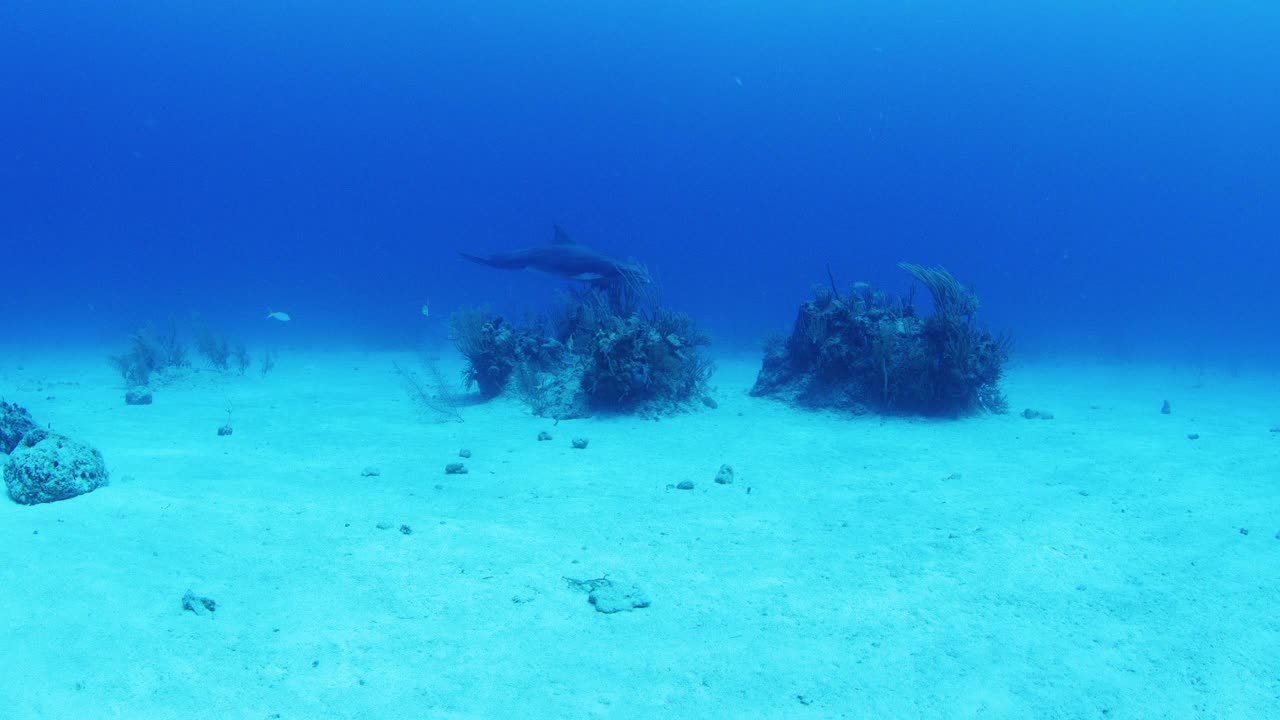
<point>1106,176</point>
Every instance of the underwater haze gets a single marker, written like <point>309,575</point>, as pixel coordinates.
<point>471,359</point>
<point>1104,175</point>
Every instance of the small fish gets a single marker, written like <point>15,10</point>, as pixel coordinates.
<point>426,309</point>
<point>281,316</point>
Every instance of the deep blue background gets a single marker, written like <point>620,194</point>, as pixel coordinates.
<point>1105,176</point>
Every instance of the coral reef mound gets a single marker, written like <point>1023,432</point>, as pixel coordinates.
<point>866,352</point>
<point>607,348</point>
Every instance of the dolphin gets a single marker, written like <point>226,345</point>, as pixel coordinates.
<point>567,259</point>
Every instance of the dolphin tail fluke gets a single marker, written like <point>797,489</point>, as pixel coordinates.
<point>503,261</point>
<point>475,258</point>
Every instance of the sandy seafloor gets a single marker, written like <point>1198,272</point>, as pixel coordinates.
<point>1089,566</point>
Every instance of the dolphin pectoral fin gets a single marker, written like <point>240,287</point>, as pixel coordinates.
<point>589,276</point>
<point>561,237</point>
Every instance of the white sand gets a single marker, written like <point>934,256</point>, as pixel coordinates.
<point>1085,567</point>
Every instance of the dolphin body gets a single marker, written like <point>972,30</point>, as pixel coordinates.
<point>567,259</point>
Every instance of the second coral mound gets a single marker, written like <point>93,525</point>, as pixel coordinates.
<point>867,352</point>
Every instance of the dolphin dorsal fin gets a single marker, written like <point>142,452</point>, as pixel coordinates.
<point>562,237</point>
